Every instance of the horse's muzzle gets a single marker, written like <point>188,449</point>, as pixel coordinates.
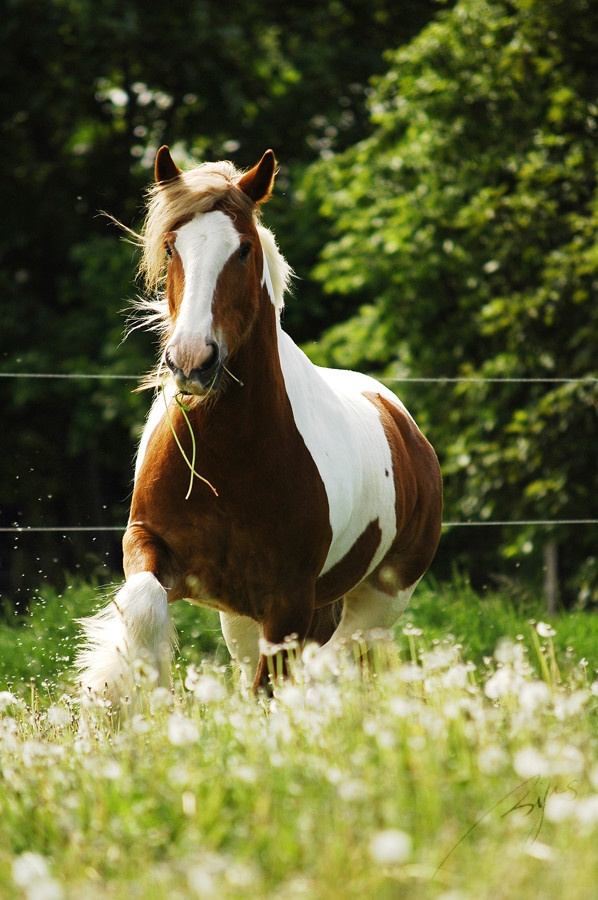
<point>202,379</point>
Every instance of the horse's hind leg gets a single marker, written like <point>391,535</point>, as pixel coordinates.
<point>135,626</point>
<point>242,636</point>
<point>367,608</point>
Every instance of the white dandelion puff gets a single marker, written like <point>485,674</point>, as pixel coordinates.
<point>391,847</point>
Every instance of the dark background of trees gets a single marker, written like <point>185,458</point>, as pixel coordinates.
<point>437,198</point>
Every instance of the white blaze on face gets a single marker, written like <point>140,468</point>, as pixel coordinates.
<point>204,245</point>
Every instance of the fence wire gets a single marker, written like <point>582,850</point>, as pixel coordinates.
<point>441,379</point>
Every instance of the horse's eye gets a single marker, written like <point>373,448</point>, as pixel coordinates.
<point>244,251</point>
<point>168,249</point>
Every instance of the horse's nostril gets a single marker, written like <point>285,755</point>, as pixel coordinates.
<point>173,368</point>
<point>212,359</point>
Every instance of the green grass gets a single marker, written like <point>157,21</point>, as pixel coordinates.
<point>457,770</point>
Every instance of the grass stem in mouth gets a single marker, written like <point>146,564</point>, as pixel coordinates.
<point>191,463</point>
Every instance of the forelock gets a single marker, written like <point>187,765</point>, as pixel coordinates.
<point>195,191</point>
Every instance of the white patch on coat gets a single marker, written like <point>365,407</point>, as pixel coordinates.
<point>204,245</point>
<point>343,432</point>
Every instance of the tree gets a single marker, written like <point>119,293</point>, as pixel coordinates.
<point>89,91</point>
<point>466,224</point>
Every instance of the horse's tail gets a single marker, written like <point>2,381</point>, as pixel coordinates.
<point>324,622</point>
<point>132,638</point>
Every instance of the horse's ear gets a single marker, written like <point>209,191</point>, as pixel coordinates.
<point>259,181</point>
<point>165,168</point>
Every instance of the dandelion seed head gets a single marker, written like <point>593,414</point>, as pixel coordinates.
<point>529,762</point>
<point>352,790</point>
<point>503,683</point>
<point>160,698</point>
<point>457,677</point>
<point>559,807</point>
<point>586,810</point>
<point>188,804</point>
<point>533,695</point>
<point>112,770</point>
<point>209,690</point>
<point>7,699</point>
<point>411,631</point>
<point>401,707</point>
<point>570,705</point>
<point>181,730</point>
<point>58,717</point>
<point>202,882</point>
<point>540,850</point>
<point>391,847</point>
<point>545,630</point>
<point>31,872</point>
<point>411,673</point>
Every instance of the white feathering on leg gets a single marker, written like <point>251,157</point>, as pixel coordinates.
<point>136,625</point>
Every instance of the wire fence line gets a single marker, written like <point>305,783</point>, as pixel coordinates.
<point>67,529</point>
<point>415,379</point>
<point>441,379</point>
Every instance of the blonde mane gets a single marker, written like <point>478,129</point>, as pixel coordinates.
<point>197,191</point>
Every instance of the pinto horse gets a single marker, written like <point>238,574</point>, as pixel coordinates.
<point>267,488</point>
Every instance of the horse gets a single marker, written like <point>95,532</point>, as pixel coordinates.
<point>295,500</point>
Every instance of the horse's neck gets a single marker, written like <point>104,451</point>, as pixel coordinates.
<point>256,389</point>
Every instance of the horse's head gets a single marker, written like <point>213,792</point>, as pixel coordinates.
<point>215,263</point>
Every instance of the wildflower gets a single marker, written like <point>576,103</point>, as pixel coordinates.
<point>559,806</point>
<point>545,630</point>
<point>533,695</point>
<point>411,672</point>
<point>411,631</point>
<point>181,731</point>
<point>505,681</point>
<point>160,697</point>
<point>556,759</point>
<point>188,804</point>
<point>205,688</point>
<point>569,705</point>
<point>7,699</point>
<point>321,662</point>
<point>540,850</point>
<point>390,847</point>
<point>58,717</point>
<point>529,762</point>
<point>112,770</point>
<point>30,872</point>
<point>586,810</point>
<point>457,676</point>
<point>352,791</point>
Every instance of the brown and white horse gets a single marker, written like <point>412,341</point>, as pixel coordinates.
<point>314,485</point>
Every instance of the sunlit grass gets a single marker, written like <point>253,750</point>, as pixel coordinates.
<point>448,772</point>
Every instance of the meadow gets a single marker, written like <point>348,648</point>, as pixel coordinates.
<point>464,765</point>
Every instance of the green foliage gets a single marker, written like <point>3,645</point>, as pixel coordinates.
<point>89,92</point>
<point>467,224</point>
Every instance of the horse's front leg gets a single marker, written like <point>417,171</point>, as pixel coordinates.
<point>135,626</point>
<point>290,617</point>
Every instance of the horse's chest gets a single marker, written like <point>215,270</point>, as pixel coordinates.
<point>266,534</point>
